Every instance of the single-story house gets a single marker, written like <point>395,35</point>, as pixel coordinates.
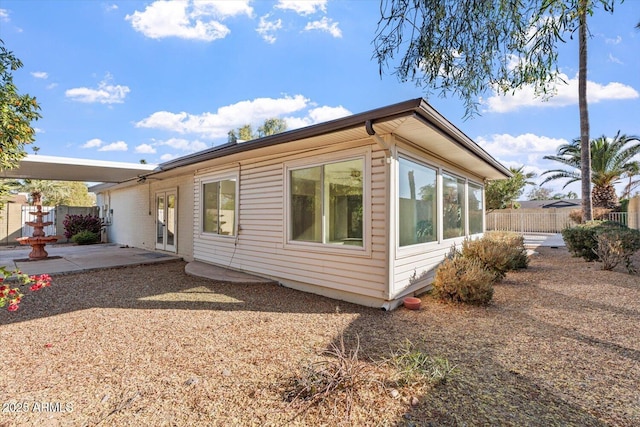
<point>550,204</point>
<point>361,209</point>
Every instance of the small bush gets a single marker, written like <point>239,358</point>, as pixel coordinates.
<point>499,252</point>
<point>617,245</point>
<point>85,237</point>
<point>463,280</point>
<point>581,239</point>
<point>514,245</point>
<point>339,383</point>
<point>74,224</point>
<point>415,366</point>
<point>598,214</point>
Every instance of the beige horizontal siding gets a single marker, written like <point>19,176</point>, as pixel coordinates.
<point>261,244</point>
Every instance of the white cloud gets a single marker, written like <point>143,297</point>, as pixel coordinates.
<point>184,145</point>
<point>52,85</point>
<point>505,145</point>
<point>266,28</point>
<point>40,74</point>
<point>615,60</point>
<point>93,143</point>
<point>567,94</point>
<point>617,40</point>
<point>326,25</point>
<point>110,7</point>
<point>167,157</point>
<point>115,146</point>
<point>145,149</point>
<point>106,93</point>
<point>4,15</point>
<point>303,7</point>
<point>218,124</point>
<point>317,115</point>
<point>221,8</point>
<point>194,20</point>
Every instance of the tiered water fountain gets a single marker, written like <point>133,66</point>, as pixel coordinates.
<point>38,240</point>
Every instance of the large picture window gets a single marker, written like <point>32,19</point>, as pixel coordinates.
<point>417,203</point>
<point>453,209</point>
<point>219,207</point>
<point>326,203</point>
<point>476,213</point>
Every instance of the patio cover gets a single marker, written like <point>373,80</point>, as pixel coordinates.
<point>71,169</point>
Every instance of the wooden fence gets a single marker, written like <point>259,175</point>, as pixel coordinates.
<point>529,220</point>
<point>552,220</point>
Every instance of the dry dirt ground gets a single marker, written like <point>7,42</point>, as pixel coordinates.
<point>148,345</point>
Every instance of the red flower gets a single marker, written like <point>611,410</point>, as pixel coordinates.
<point>35,287</point>
<point>13,307</point>
<point>3,288</point>
<point>12,292</point>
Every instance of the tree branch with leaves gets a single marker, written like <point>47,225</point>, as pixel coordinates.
<point>467,48</point>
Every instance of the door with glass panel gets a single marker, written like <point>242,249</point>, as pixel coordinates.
<point>166,220</point>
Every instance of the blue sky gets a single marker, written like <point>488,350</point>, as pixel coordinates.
<point>155,80</point>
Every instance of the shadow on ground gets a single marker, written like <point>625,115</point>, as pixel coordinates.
<point>523,360</point>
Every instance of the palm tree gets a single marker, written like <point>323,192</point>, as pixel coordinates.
<point>611,160</point>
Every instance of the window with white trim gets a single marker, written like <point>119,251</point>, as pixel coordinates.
<point>326,203</point>
<point>417,203</point>
<point>453,206</point>
<point>219,207</point>
<point>476,212</point>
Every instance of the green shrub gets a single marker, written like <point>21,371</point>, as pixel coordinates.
<point>616,245</point>
<point>414,366</point>
<point>463,280</point>
<point>581,239</point>
<point>85,237</point>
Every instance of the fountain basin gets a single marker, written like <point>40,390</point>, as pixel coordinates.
<point>37,245</point>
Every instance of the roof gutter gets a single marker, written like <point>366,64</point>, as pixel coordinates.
<point>418,108</point>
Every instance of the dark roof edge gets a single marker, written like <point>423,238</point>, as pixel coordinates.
<point>416,106</point>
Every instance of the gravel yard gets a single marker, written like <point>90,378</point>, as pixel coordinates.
<point>149,345</point>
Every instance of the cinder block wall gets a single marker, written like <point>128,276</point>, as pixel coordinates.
<point>10,223</point>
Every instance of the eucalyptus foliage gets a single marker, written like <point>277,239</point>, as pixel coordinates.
<point>467,48</point>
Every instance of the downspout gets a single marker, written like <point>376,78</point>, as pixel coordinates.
<point>368,125</point>
<point>388,305</point>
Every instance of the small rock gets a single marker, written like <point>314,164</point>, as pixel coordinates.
<point>226,373</point>
<point>104,398</point>
<point>395,393</point>
<point>191,381</point>
<point>414,401</point>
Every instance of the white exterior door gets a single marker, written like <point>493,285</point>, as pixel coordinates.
<point>166,220</point>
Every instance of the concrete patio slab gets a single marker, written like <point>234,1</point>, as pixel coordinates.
<point>209,271</point>
<point>73,258</point>
<point>534,240</point>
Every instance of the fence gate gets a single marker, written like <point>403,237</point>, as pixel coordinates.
<point>49,230</point>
